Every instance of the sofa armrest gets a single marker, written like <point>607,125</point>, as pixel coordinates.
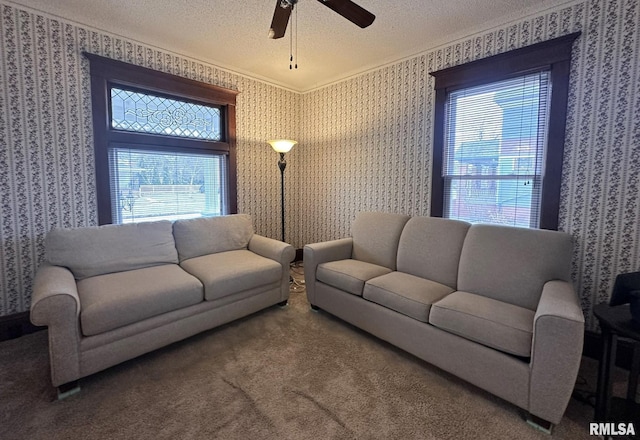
<point>278,251</point>
<point>318,253</point>
<point>53,284</point>
<point>558,335</point>
<point>55,303</point>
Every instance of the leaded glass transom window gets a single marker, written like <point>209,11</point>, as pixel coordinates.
<point>164,144</point>
<point>146,113</point>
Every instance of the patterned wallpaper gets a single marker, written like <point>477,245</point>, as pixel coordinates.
<point>46,145</point>
<point>364,143</point>
<point>367,140</point>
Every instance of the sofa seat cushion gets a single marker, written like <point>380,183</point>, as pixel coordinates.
<point>349,275</point>
<point>228,273</point>
<point>117,299</point>
<point>493,323</point>
<point>405,293</point>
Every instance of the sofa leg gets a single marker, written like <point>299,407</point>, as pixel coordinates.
<point>68,389</point>
<point>283,303</point>
<point>539,424</point>
<point>314,307</point>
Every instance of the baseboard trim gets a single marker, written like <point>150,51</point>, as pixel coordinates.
<point>16,325</point>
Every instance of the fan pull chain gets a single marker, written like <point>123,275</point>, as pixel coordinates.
<point>294,28</point>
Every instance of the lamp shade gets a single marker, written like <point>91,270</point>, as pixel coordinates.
<point>282,145</point>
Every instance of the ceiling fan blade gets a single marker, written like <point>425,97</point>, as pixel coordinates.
<point>352,12</point>
<point>280,21</point>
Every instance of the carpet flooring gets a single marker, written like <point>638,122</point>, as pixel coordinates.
<point>282,373</point>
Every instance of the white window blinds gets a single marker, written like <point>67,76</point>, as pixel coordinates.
<point>149,185</point>
<point>494,151</point>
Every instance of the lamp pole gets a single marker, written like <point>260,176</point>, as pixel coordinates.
<point>282,146</point>
<point>282,164</point>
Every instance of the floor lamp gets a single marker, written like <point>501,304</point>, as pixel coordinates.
<point>282,146</point>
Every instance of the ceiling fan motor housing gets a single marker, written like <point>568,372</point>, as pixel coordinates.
<point>287,3</point>
<point>345,8</point>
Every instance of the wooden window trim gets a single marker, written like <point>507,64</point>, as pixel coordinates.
<point>106,73</point>
<point>553,55</point>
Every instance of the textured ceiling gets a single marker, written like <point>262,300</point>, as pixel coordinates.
<point>233,34</point>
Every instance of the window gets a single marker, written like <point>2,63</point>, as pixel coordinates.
<point>499,136</point>
<point>494,148</point>
<point>165,145</point>
<point>148,185</point>
<point>146,113</point>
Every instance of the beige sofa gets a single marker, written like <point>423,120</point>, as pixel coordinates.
<point>111,293</point>
<point>493,305</point>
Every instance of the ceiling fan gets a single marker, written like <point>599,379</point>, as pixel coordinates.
<point>346,8</point>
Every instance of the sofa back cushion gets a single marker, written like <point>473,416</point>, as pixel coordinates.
<point>375,237</point>
<point>210,235</point>
<point>430,248</point>
<point>100,250</point>
<point>513,264</point>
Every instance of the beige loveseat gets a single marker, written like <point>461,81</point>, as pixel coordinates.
<point>493,305</point>
<point>111,293</point>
